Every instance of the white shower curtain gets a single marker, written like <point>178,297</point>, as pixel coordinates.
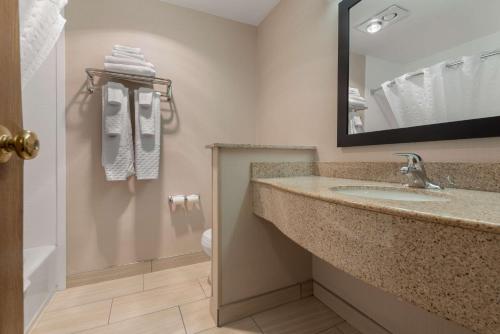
<point>41,25</point>
<point>385,109</point>
<point>488,86</point>
<point>442,94</point>
<point>461,89</point>
<point>416,100</point>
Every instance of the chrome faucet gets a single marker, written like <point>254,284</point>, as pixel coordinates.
<point>415,172</point>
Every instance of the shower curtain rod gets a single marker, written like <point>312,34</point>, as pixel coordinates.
<point>449,65</point>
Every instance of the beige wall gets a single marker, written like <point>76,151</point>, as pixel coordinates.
<point>357,71</point>
<point>297,63</point>
<point>255,258</point>
<point>212,64</point>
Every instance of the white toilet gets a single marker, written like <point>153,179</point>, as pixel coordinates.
<point>206,242</point>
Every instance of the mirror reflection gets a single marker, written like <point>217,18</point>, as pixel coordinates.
<point>422,62</point>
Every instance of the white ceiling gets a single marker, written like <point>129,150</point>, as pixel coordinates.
<point>244,11</point>
<point>433,26</point>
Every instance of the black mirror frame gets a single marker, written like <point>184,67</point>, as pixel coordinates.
<point>476,128</point>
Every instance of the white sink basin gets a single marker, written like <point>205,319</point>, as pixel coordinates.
<point>392,194</point>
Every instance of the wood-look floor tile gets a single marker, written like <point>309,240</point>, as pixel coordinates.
<point>245,326</point>
<point>346,328</point>
<point>163,322</point>
<point>306,316</point>
<point>74,319</point>
<point>155,300</point>
<point>176,275</point>
<point>197,316</point>
<point>207,288</point>
<point>95,292</point>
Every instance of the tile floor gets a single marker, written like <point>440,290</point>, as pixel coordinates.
<point>173,301</point>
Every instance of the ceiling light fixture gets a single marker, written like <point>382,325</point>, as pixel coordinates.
<point>374,27</point>
<point>382,20</point>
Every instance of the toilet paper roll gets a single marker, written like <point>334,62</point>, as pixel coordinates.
<point>193,202</point>
<point>177,202</point>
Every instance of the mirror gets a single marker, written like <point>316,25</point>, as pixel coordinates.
<point>418,70</point>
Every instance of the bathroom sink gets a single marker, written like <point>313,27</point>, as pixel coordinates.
<point>392,194</point>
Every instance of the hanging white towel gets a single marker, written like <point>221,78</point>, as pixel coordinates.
<point>41,26</point>
<point>146,115</point>
<point>127,61</point>
<point>112,121</point>
<point>147,147</point>
<point>115,96</point>
<point>130,69</point>
<point>145,97</point>
<point>112,110</point>
<point>128,55</point>
<point>117,149</point>
<point>355,123</point>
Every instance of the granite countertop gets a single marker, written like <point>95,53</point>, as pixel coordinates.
<point>469,209</point>
<point>254,146</point>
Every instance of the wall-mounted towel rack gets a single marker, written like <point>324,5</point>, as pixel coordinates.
<point>92,73</point>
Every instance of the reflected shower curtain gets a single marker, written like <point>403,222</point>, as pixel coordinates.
<point>489,87</point>
<point>417,99</point>
<point>444,93</point>
<point>461,88</point>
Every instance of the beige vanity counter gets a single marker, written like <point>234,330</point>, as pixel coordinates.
<point>443,256</point>
<point>464,208</point>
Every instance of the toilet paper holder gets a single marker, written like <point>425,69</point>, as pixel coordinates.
<point>188,202</point>
<point>171,198</point>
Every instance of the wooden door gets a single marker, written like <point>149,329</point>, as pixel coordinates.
<point>11,175</point>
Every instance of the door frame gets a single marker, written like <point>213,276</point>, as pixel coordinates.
<point>11,175</point>
<point>61,237</point>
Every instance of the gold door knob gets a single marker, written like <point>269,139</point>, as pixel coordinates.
<point>26,145</point>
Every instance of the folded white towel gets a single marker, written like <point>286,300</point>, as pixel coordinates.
<point>127,61</point>
<point>146,119</point>
<point>117,150</point>
<point>129,49</point>
<point>357,103</point>
<point>358,99</point>
<point>147,147</point>
<point>115,96</point>
<point>128,55</point>
<point>130,69</point>
<point>357,106</point>
<point>41,25</point>
<point>354,91</point>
